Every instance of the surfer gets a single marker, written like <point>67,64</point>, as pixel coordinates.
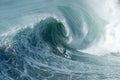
<point>64,51</point>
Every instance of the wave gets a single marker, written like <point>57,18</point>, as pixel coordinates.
<point>39,47</point>
<point>54,33</point>
<point>35,52</point>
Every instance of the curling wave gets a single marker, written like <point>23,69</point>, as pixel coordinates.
<point>32,40</point>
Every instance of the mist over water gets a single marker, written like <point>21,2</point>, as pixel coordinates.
<point>33,35</point>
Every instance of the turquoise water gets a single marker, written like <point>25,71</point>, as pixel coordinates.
<point>33,34</point>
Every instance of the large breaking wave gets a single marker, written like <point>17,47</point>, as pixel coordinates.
<point>32,48</point>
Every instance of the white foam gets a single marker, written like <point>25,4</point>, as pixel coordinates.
<point>110,39</point>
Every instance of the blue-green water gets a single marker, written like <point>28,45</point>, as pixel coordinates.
<point>33,34</point>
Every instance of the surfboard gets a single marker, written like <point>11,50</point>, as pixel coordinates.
<point>68,56</point>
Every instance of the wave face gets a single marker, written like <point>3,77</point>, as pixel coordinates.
<point>34,33</point>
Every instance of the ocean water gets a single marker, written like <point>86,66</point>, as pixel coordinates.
<point>33,34</point>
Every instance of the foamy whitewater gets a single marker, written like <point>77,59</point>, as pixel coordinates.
<point>33,34</point>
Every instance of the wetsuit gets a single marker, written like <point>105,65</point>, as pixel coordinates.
<point>64,51</point>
